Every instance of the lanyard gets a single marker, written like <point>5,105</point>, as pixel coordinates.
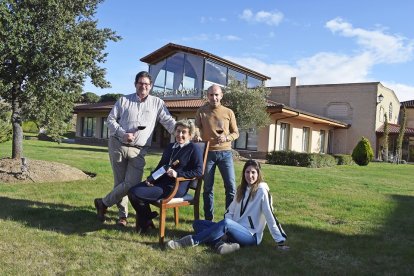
<point>242,209</point>
<point>173,156</point>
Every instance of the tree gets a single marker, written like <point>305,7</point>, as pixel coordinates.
<point>386,138</point>
<point>48,48</point>
<point>403,124</point>
<point>362,153</point>
<point>5,125</point>
<point>248,105</point>
<point>110,97</point>
<point>89,97</point>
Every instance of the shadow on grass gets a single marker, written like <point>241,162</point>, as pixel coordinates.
<point>80,148</point>
<point>50,216</point>
<point>386,249</point>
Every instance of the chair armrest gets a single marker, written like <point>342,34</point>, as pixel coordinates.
<point>175,189</point>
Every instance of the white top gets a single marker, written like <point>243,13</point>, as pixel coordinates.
<point>257,212</point>
<point>129,112</point>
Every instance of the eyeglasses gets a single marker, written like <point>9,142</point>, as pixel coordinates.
<point>144,83</point>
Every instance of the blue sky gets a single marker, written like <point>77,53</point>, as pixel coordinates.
<point>318,41</point>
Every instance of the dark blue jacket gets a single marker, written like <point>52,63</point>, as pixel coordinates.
<point>191,165</point>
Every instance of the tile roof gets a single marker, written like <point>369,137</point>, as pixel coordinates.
<point>408,104</point>
<point>395,129</point>
<point>94,107</point>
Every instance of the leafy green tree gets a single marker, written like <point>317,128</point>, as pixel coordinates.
<point>248,104</point>
<point>5,125</point>
<point>386,138</point>
<point>89,97</point>
<point>110,97</point>
<point>403,125</point>
<point>48,48</point>
<point>362,153</point>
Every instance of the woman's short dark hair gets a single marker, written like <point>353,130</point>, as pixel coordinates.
<point>143,74</point>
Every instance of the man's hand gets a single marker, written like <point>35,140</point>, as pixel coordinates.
<point>197,138</point>
<point>149,184</point>
<point>129,137</point>
<point>222,138</point>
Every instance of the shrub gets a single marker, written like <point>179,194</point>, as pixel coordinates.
<point>344,159</point>
<point>362,153</point>
<point>300,159</point>
<point>30,127</point>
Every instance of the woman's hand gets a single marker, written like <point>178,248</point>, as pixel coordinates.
<point>149,184</point>
<point>172,173</point>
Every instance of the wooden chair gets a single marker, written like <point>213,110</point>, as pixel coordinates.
<point>189,199</point>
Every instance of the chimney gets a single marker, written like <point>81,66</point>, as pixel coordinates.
<point>293,91</point>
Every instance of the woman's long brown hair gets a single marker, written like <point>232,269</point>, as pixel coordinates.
<point>243,185</point>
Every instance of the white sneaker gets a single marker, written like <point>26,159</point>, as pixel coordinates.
<point>226,247</point>
<point>185,241</point>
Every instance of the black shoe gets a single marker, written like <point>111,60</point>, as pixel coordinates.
<point>100,209</point>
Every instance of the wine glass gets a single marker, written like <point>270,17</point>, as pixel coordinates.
<point>220,127</point>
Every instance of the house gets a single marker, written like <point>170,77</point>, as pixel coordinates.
<point>329,118</point>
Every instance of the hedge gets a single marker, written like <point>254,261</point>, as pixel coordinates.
<point>310,160</point>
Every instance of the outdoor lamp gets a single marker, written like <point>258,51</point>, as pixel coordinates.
<point>380,98</point>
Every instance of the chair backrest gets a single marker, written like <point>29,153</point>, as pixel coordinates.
<point>203,145</point>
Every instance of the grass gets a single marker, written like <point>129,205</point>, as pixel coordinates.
<point>340,220</point>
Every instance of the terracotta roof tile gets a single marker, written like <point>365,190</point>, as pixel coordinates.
<point>395,129</point>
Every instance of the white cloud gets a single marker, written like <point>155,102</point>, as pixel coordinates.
<point>328,67</point>
<point>209,19</point>
<point>269,18</point>
<point>404,92</point>
<point>385,48</point>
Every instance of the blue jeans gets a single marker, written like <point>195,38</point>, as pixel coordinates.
<point>210,232</point>
<point>224,160</point>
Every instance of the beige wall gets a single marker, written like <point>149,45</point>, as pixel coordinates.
<point>353,103</point>
<point>410,117</point>
<point>269,137</point>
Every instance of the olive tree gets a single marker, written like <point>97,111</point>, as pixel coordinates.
<point>48,48</point>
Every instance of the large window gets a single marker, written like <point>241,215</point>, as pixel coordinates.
<point>185,75</point>
<point>88,126</point>
<point>305,139</point>
<point>178,75</point>
<point>381,115</point>
<point>253,82</point>
<point>247,140</point>
<point>236,75</point>
<point>330,141</point>
<point>215,73</point>
<point>105,130</point>
<point>322,141</point>
<point>284,136</point>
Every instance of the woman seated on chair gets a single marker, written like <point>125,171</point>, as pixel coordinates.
<point>190,165</point>
<point>244,221</point>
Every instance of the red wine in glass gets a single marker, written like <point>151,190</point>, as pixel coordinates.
<point>219,131</point>
<point>141,127</point>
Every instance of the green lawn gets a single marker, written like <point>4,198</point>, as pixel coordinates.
<point>341,220</point>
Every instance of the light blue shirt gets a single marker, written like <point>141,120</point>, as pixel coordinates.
<point>129,112</point>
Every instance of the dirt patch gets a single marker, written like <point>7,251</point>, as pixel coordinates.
<point>37,171</point>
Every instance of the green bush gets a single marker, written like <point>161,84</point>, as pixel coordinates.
<point>362,153</point>
<point>300,159</point>
<point>30,127</point>
<point>344,159</point>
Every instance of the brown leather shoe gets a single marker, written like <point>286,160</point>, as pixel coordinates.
<point>122,222</point>
<point>100,209</point>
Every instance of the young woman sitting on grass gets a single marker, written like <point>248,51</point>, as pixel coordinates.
<point>244,221</point>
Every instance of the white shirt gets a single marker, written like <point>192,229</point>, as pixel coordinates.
<point>129,112</point>
<point>257,213</point>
